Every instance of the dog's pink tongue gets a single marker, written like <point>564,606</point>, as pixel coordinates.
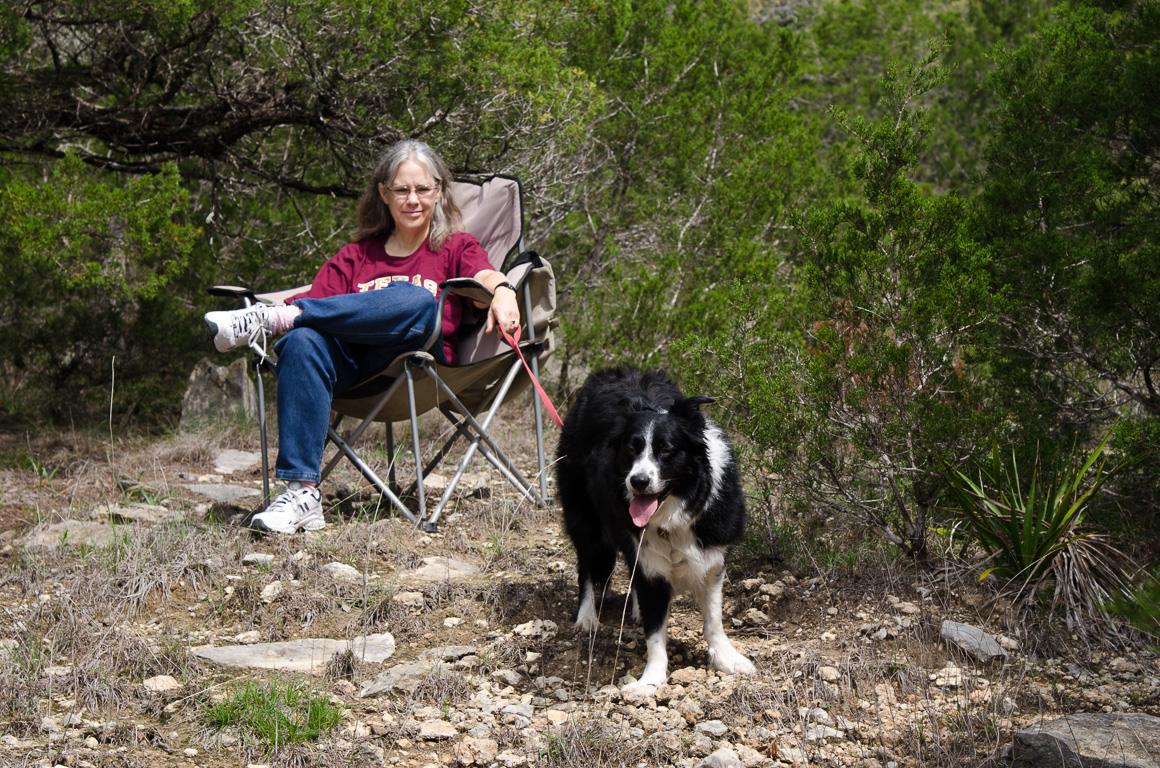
<point>641,508</point>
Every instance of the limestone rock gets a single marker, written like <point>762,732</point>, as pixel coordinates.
<point>974,641</point>
<point>722,758</point>
<point>401,678</point>
<point>222,492</point>
<point>147,514</point>
<point>438,569</point>
<point>218,393</point>
<point>1093,740</point>
<point>230,461</point>
<point>436,730</point>
<point>162,683</point>
<point>69,533</point>
<point>310,655</point>
<point>342,572</point>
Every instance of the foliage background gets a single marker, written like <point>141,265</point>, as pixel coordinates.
<point>883,234</point>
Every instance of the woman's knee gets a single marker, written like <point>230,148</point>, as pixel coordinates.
<point>303,349</point>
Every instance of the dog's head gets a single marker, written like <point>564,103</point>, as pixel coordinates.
<point>657,449</point>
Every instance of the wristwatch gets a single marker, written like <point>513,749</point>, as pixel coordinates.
<point>506,284</point>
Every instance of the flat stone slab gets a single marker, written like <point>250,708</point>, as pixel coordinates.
<point>91,533</point>
<point>310,655</point>
<point>977,643</point>
<point>230,461</point>
<point>223,492</point>
<point>402,678</point>
<point>437,569</point>
<point>1091,740</point>
<point>146,514</point>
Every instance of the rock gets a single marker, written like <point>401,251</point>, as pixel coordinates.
<point>974,641</point>
<point>146,514</point>
<point>343,572</point>
<point>712,728</point>
<point>162,683</point>
<point>749,756</point>
<point>410,599</point>
<point>230,461</point>
<point>311,655</point>
<point>69,533</point>
<point>270,592</point>
<point>820,716</point>
<point>401,678</point>
<point>477,751</point>
<point>217,393</point>
<point>258,558</point>
<point>508,676</point>
<point>949,676</point>
<point>248,638</point>
<point>829,674</point>
<point>448,652</point>
<point>439,569</point>
<point>722,758</point>
<point>687,675</point>
<point>220,492</point>
<point>821,732</point>
<point>755,618</point>
<point>437,730</point>
<point>540,629</point>
<point>1093,740</point>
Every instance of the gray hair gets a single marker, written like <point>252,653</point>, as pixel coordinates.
<point>374,217</point>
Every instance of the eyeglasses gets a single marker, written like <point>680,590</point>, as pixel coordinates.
<point>402,193</point>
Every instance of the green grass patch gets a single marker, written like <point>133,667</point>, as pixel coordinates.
<point>274,714</point>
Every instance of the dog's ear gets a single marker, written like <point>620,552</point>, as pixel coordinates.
<point>688,406</point>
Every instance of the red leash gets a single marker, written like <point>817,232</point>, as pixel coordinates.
<point>514,343</point>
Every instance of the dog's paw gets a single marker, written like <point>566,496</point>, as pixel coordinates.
<point>640,688</point>
<point>728,661</point>
<point>587,623</point>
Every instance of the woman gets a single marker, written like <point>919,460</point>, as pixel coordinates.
<point>374,300</point>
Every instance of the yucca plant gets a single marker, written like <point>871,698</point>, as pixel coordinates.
<point>1030,530</point>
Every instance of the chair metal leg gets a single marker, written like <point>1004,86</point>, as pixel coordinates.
<point>407,369</point>
<point>369,474</point>
<point>480,440</point>
<point>537,406</point>
<point>262,433</point>
<point>391,456</point>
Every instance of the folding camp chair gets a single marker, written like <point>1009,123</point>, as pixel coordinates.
<point>469,394</point>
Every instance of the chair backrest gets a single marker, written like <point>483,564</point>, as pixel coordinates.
<point>492,210</point>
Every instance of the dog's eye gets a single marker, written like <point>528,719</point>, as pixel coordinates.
<point>666,452</point>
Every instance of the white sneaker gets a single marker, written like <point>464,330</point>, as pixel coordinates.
<point>296,508</point>
<point>237,327</point>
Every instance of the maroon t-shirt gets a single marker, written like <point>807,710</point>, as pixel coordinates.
<point>365,266</point>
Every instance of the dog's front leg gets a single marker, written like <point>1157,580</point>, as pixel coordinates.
<point>723,657</point>
<point>653,600</point>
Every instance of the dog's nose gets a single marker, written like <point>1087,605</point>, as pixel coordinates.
<point>639,482</point>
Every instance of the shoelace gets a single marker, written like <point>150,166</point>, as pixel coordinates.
<point>298,500</point>
<point>249,324</point>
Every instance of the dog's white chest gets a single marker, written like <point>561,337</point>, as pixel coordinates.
<point>670,551</point>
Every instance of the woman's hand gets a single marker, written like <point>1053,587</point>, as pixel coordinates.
<point>504,312</point>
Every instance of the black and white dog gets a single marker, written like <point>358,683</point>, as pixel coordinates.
<point>638,460</point>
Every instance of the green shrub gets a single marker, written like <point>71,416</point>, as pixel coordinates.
<point>1030,525</point>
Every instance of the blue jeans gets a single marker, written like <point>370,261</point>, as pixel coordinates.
<point>336,343</point>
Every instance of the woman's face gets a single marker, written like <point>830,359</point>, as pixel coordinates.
<point>411,196</point>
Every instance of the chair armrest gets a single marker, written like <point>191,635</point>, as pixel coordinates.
<point>469,288</point>
<point>232,291</point>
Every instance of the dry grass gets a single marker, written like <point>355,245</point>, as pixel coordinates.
<point>110,616</point>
